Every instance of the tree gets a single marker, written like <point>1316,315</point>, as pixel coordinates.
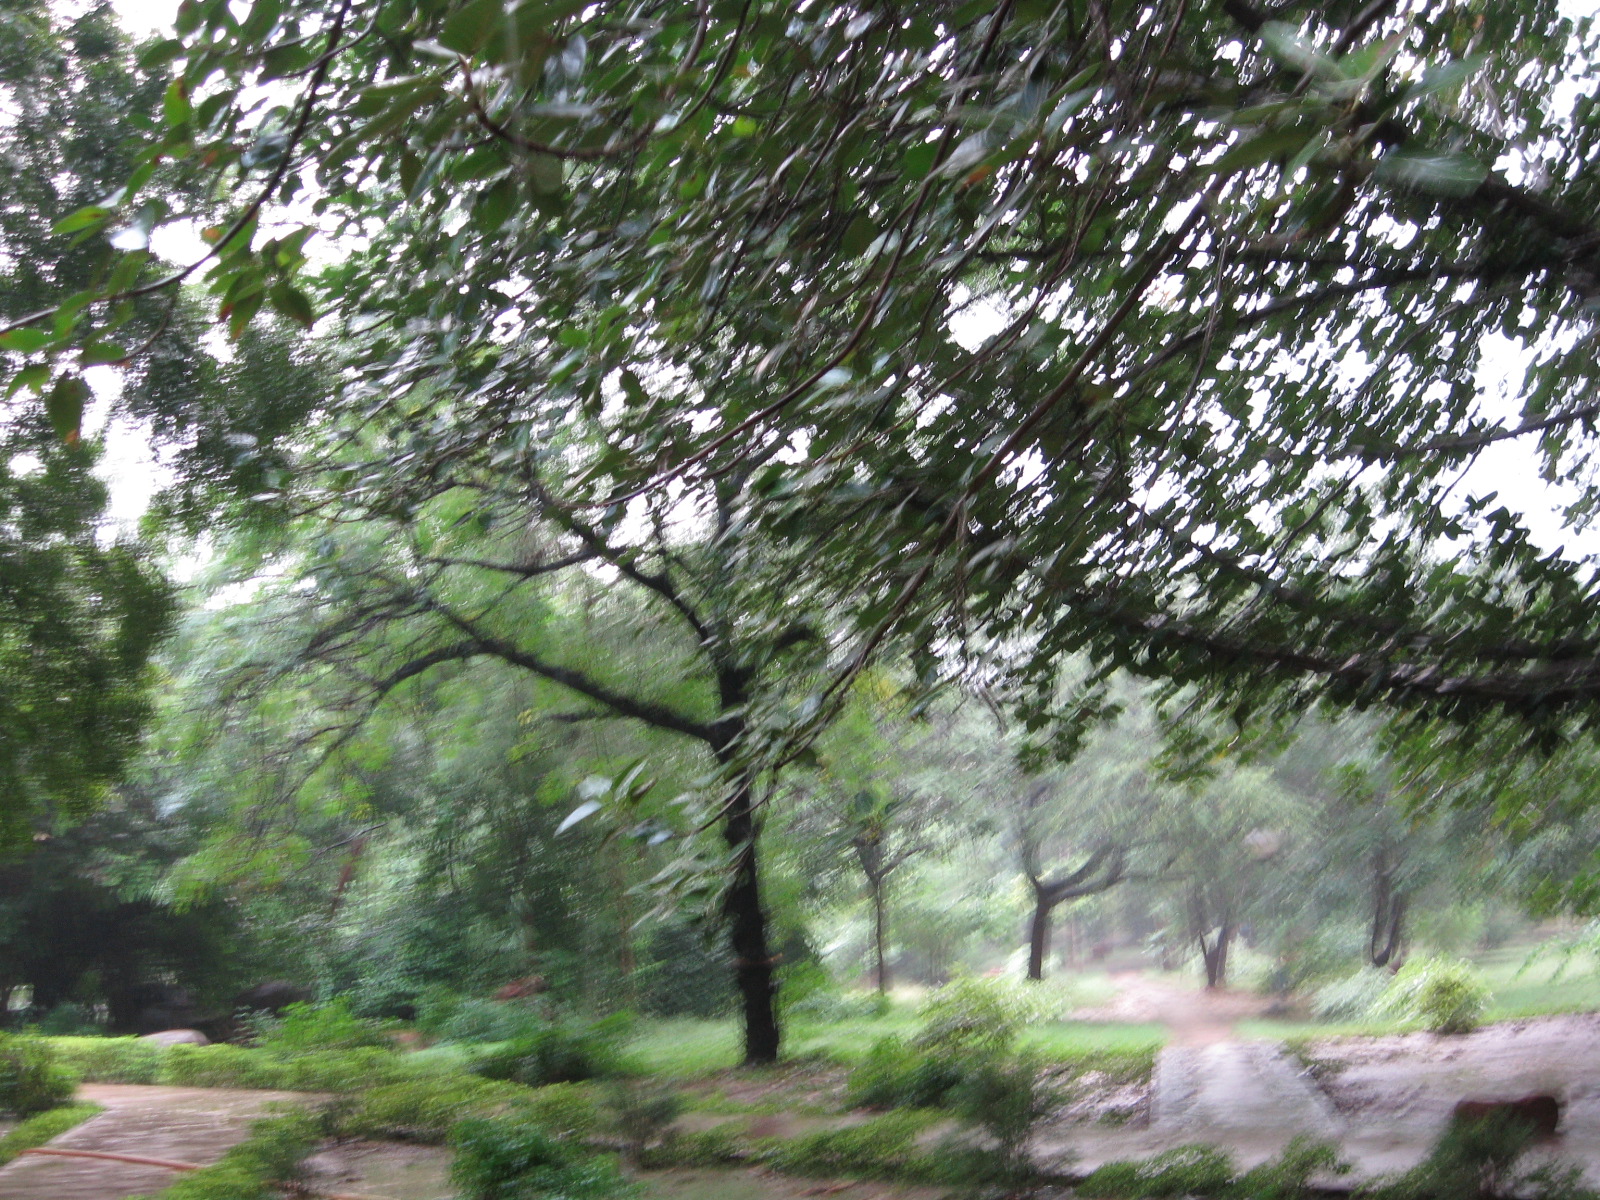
<point>739,238</point>
<point>886,793</point>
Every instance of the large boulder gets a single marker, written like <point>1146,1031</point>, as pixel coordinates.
<point>177,1037</point>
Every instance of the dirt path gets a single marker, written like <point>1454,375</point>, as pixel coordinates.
<point>1195,1016</point>
<point>197,1125</point>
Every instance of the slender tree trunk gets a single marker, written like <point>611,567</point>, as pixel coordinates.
<point>1388,914</point>
<point>880,935</point>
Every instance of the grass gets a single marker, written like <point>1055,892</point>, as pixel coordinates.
<point>684,1048</point>
<point>43,1127</point>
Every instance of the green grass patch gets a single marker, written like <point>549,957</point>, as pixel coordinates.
<point>39,1129</point>
<point>686,1048</point>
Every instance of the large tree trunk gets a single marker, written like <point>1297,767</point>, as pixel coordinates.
<point>753,974</point>
<point>1215,954</point>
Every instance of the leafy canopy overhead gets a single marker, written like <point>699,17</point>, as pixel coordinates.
<point>1155,331</point>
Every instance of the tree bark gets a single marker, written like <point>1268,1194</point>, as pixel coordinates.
<point>753,974</point>
<point>1388,914</point>
<point>879,936</point>
<point>747,929</point>
<point>1039,936</point>
<point>1102,871</point>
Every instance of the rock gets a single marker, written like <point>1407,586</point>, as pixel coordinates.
<point>273,996</point>
<point>177,1037</point>
<point>1542,1113</point>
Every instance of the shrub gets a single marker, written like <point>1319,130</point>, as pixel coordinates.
<point>109,1059</point>
<point>42,1127</point>
<point>1205,1171</point>
<point>968,1014</point>
<point>305,1028</point>
<point>1181,1171</point>
<point>69,1020</point>
<point>1478,1159</point>
<point>319,1071</point>
<point>895,1075</point>
<point>564,1052</point>
<point>1351,998</point>
<point>500,1159</point>
<point>1005,1098</point>
<point>453,1018</point>
<point>30,1080</point>
<point>1445,995</point>
<point>643,1110</point>
<point>423,1110</point>
<point>882,1146</point>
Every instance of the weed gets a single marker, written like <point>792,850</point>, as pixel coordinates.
<point>499,1159</point>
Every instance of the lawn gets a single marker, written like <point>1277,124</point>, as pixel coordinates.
<point>681,1048</point>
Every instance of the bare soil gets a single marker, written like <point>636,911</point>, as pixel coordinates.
<point>1196,1016</point>
<point>392,1170</point>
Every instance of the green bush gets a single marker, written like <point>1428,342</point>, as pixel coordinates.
<point>69,1020</point>
<point>499,1159</point>
<point>453,1018</point>
<point>1205,1171</point>
<point>270,1155</point>
<point>423,1110</point>
<point>1006,1098</point>
<point>317,1071</point>
<point>1446,995</point>
<point>564,1052</point>
<point>971,1015</point>
<point>310,1028</point>
<point>1479,1159</point>
<point>109,1059</point>
<point>1351,998</point>
<point>30,1079</point>
<point>884,1146</point>
<point>42,1127</point>
<point>1181,1171</point>
<point>895,1075</point>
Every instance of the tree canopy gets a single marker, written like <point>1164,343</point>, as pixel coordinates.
<point>1155,332</point>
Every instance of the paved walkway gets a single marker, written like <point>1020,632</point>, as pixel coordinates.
<point>197,1125</point>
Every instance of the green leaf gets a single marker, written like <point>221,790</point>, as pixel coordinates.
<point>858,236</point>
<point>916,162</point>
<point>25,341</point>
<point>33,378</point>
<point>1441,173</point>
<point>175,107</point>
<point>1264,147</point>
<point>64,407</point>
<point>1284,43</point>
<point>99,353</point>
<point>289,301</point>
<point>85,218</point>
<point>469,29</point>
<point>1445,76</point>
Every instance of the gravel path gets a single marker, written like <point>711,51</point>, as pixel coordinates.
<point>197,1125</point>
